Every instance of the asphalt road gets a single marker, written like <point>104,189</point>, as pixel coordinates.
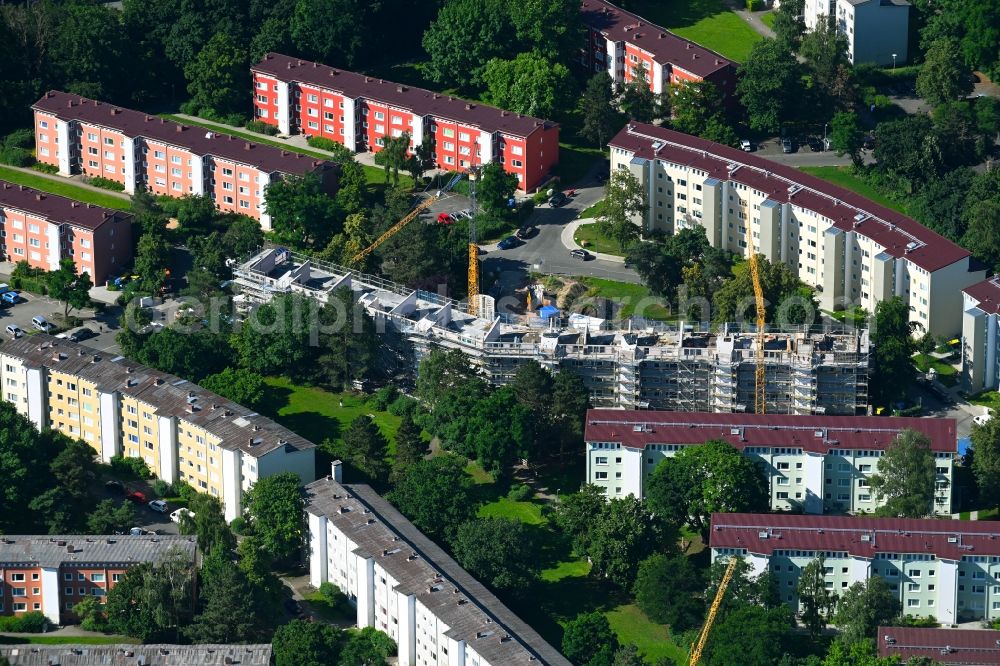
<point>803,156</point>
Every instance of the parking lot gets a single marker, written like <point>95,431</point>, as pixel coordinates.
<point>145,518</point>
<point>31,305</point>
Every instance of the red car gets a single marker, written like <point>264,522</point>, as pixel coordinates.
<point>136,496</point>
<point>445,218</point>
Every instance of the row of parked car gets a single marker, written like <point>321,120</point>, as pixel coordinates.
<point>139,497</point>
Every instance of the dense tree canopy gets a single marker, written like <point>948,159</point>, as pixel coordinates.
<point>986,461</point>
<point>769,81</point>
<point>529,84</point>
<point>864,607</point>
<point>625,204</point>
<point>436,494</point>
<point>498,552</point>
<point>274,506</point>
<point>905,481</point>
<point>893,369</point>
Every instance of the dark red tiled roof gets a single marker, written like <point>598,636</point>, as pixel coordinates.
<point>987,293</point>
<point>640,428</point>
<point>56,209</point>
<point>763,533</point>
<point>196,139</point>
<point>961,647</point>
<point>418,100</point>
<point>893,231</point>
<point>619,25</point>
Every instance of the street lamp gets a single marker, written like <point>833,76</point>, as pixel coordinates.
<point>825,125</point>
<point>894,62</point>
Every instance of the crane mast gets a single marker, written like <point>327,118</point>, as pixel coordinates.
<point>712,612</point>
<point>760,376</point>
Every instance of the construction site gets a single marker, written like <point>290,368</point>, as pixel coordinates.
<point>669,366</point>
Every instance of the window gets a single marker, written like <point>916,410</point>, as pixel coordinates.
<point>463,136</point>
<point>601,460</point>
<point>600,475</point>
<point>17,578</point>
<point>108,141</point>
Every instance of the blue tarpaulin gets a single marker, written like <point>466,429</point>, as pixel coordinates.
<point>548,311</point>
<point>963,445</point>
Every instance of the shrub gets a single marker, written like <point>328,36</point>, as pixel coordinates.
<point>14,156</point>
<point>105,183</point>
<point>261,127</point>
<point>403,405</point>
<point>45,168</point>
<point>161,488</point>
<point>322,143</point>
<point>22,138</point>
<point>190,108</point>
<point>33,622</point>
<point>928,622</point>
<point>332,595</point>
<point>131,467</point>
<point>239,526</point>
<point>520,493</point>
<point>383,397</point>
<point>539,197</point>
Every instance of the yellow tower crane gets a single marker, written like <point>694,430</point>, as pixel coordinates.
<point>712,612</point>
<point>412,215</point>
<point>760,377</point>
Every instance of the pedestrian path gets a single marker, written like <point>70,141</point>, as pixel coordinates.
<point>74,180</point>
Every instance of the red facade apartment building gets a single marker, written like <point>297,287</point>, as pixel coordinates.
<point>619,41</point>
<point>50,574</point>
<point>43,228</point>
<point>359,111</point>
<point>80,135</point>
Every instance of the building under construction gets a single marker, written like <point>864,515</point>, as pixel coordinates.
<point>669,367</point>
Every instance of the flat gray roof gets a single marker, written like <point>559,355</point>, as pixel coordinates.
<point>62,550</point>
<point>134,655</point>
<point>473,613</point>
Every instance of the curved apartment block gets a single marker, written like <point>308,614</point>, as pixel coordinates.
<point>852,250</point>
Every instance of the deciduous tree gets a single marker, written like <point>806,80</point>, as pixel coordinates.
<point>575,515</point>
<point>864,607</point>
<point>393,156</point>
<point>219,76</point>
<point>331,31</point>
<point>847,137</point>
<point>599,117</point>
<point>769,85</point>
<point>891,337</point>
<point>301,211</point>
<point>410,447</point>
<point>368,448</point>
<point>495,187</point>
<point>943,77</point>
<point>497,551</point>
<point>638,101</point>
<point>110,516</point>
<point>436,494</point>
<point>624,534</point>
<point>529,84</point>
<point>986,461</point>
<point>64,285</point>
<point>274,507</point>
<point>749,636</point>
<point>586,636</point>
<point>243,387</point>
<point>624,200</point>
<point>303,643</point>
<point>229,611</point>
<point>465,36</point>
<point>815,600</point>
<point>905,481</point>
<point>668,590</point>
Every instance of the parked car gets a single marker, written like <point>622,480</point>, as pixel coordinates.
<point>10,297</point>
<point>526,232</point>
<point>787,145</point>
<point>558,199</point>
<point>136,531</point>
<point>445,218</point>
<point>581,254</point>
<point>815,145</point>
<point>869,142</point>
<point>14,331</point>
<point>116,487</point>
<point>746,146</point>
<point>177,514</point>
<point>4,287</point>
<point>508,243</point>
<point>136,496</point>
<point>82,333</point>
<point>41,323</point>
<point>158,506</point>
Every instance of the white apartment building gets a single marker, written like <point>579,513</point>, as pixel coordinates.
<point>852,250</point>
<point>981,336</point>
<point>180,430</point>
<point>814,464</point>
<point>948,569</point>
<point>877,31</point>
<point>405,585</point>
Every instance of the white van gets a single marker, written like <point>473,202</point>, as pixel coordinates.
<point>176,515</point>
<point>41,323</point>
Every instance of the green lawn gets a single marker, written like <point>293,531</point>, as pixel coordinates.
<point>43,639</point>
<point>589,236</point>
<point>706,22</point>
<point>856,315</point>
<point>767,18</point>
<point>946,373</point>
<point>653,640</point>
<point>844,176</point>
<point>375,175</point>
<point>479,475</point>
<point>636,299</point>
<point>574,162</point>
<point>66,189</point>
<point>317,415</point>
<point>594,211</point>
<point>529,513</point>
<point>989,399</point>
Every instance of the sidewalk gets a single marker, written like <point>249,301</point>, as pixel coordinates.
<point>567,240</point>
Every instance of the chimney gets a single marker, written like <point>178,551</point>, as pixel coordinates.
<point>687,45</point>
<point>246,145</point>
<point>468,107</point>
<point>74,204</point>
<point>179,128</point>
<point>400,88</point>
<point>70,548</point>
<point>368,79</point>
<point>337,471</point>
<point>39,196</point>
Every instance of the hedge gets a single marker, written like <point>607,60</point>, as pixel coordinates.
<point>322,143</point>
<point>32,622</point>
<point>261,127</point>
<point>105,183</point>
